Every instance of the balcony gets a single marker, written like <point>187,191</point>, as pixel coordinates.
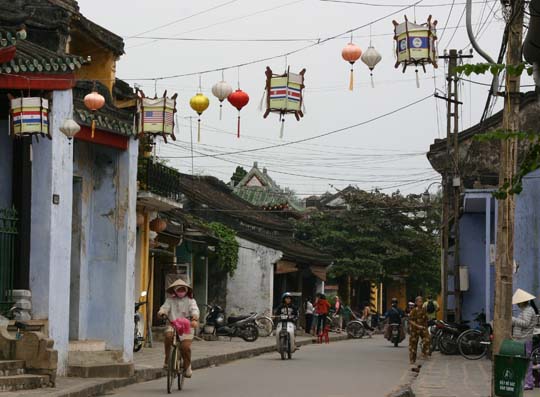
<point>158,186</point>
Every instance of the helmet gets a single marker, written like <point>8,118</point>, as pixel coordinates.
<point>394,301</point>
<point>286,295</point>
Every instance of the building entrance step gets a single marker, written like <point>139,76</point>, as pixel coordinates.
<point>23,382</point>
<point>118,370</point>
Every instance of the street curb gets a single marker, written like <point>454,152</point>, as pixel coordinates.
<point>404,390</point>
<point>149,374</point>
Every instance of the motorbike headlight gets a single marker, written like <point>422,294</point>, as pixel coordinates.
<point>220,320</point>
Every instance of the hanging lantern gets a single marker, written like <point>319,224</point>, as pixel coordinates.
<point>238,99</point>
<point>351,53</point>
<point>416,45</point>
<point>371,58</point>
<point>284,95</point>
<point>221,91</point>
<point>158,225</point>
<point>94,101</point>
<point>29,116</point>
<point>156,115</point>
<point>199,103</point>
<point>70,128</point>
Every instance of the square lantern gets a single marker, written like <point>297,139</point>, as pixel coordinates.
<point>156,116</point>
<point>416,44</point>
<point>30,116</point>
<point>284,93</point>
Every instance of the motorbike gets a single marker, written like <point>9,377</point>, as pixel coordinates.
<point>448,336</point>
<point>285,336</point>
<point>395,334</point>
<point>138,340</point>
<point>217,324</point>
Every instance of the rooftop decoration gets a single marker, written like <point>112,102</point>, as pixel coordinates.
<point>351,53</point>
<point>29,117</point>
<point>284,94</point>
<point>156,115</point>
<point>416,44</point>
<point>94,101</point>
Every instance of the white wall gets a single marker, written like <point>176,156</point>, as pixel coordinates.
<point>250,289</point>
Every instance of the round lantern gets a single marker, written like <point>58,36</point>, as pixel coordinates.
<point>371,58</point>
<point>94,101</point>
<point>351,53</point>
<point>238,99</point>
<point>70,128</point>
<point>199,103</point>
<point>221,91</point>
<point>158,225</point>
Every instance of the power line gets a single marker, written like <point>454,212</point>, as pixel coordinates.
<point>447,20</point>
<point>362,3</point>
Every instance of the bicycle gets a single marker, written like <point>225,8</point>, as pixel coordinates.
<point>175,365</point>
<point>474,344</point>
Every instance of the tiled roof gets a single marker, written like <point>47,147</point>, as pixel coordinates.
<point>264,197</point>
<point>32,58</point>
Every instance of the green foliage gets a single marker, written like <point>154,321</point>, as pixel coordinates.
<point>530,162</point>
<point>495,69</point>
<point>380,236</point>
<point>227,249</point>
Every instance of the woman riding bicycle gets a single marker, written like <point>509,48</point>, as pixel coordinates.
<point>180,304</point>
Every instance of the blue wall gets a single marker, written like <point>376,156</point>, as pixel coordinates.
<point>6,167</point>
<point>527,235</point>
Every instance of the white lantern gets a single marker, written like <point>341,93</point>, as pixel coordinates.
<point>69,128</point>
<point>371,58</point>
<point>221,91</point>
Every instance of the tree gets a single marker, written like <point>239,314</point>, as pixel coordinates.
<point>238,175</point>
<point>379,236</point>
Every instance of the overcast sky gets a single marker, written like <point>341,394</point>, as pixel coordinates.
<point>386,153</point>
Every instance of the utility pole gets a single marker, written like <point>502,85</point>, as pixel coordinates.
<point>451,187</point>
<point>504,264</point>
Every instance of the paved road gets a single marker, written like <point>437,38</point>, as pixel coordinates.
<point>368,367</point>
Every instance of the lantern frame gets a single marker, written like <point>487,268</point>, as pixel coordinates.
<point>156,116</point>
<point>416,44</point>
<point>292,91</point>
<point>23,118</point>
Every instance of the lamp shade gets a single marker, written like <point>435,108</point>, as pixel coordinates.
<point>70,128</point>
<point>199,103</point>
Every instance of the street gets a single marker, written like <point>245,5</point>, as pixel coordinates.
<point>367,367</point>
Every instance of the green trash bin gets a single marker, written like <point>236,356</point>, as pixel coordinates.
<point>511,366</point>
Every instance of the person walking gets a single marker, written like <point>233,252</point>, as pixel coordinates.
<point>309,315</point>
<point>523,327</point>
<point>338,313</point>
<point>366,319</point>
<point>322,307</point>
<point>418,328</point>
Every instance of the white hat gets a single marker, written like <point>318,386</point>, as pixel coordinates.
<point>521,296</point>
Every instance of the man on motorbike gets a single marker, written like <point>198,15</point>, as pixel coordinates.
<point>291,312</point>
<point>394,316</point>
<point>180,304</point>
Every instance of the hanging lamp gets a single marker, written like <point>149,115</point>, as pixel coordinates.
<point>221,90</point>
<point>371,58</point>
<point>94,101</point>
<point>199,103</point>
<point>351,53</point>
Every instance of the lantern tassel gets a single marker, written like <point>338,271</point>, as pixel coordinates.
<point>238,133</point>
<point>417,79</point>
<point>93,127</point>
<point>304,106</point>
<point>199,131</point>
<point>372,82</point>
<point>261,103</point>
<point>282,129</point>
<point>220,110</point>
<point>351,81</point>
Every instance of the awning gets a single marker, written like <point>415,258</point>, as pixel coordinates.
<point>319,271</point>
<point>283,267</point>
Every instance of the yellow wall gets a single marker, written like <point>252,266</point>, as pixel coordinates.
<point>396,289</point>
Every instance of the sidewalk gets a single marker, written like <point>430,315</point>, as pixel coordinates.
<point>454,376</point>
<point>149,365</point>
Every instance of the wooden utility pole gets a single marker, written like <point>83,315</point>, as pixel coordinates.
<point>504,264</point>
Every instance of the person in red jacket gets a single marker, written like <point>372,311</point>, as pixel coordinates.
<point>321,308</point>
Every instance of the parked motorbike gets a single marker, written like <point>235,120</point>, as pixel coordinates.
<point>448,336</point>
<point>285,336</point>
<point>217,324</point>
<point>139,326</point>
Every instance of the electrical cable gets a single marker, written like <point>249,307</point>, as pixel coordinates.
<point>362,3</point>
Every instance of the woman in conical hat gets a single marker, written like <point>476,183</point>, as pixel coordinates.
<point>523,326</point>
<point>180,305</point>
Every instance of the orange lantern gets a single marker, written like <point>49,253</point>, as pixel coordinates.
<point>94,101</point>
<point>351,53</point>
<point>158,225</point>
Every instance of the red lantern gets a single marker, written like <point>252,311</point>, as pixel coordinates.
<point>351,53</point>
<point>158,225</point>
<point>238,99</point>
<point>94,101</point>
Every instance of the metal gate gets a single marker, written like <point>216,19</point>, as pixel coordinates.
<point>8,234</point>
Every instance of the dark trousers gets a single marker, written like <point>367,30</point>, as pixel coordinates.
<point>309,322</point>
<point>321,321</point>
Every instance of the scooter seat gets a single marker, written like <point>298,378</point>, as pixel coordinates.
<point>234,319</point>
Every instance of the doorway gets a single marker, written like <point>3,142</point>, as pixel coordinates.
<point>75,274</point>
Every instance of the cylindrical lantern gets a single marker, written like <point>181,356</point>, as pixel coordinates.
<point>221,91</point>
<point>238,99</point>
<point>30,116</point>
<point>69,128</point>
<point>371,58</point>
<point>199,103</point>
<point>94,101</point>
<point>158,225</point>
<point>351,53</point>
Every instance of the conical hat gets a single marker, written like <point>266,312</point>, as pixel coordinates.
<point>178,283</point>
<point>521,296</point>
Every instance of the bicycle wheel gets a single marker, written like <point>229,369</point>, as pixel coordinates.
<point>265,325</point>
<point>472,344</point>
<point>535,356</point>
<point>172,368</point>
<point>180,371</point>
<point>448,344</point>
<point>355,330</point>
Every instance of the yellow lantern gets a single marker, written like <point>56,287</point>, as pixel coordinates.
<point>199,103</point>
